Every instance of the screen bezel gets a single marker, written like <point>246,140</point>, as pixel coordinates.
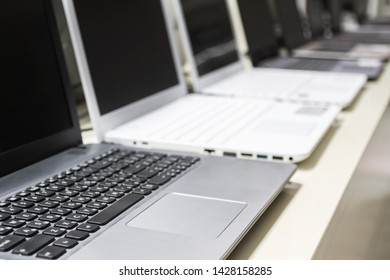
<point>29,153</point>
<point>102,124</point>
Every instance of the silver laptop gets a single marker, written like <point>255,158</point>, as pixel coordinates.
<point>336,47</point>
<point>63,200</point>
<point>263,49</point>
<point>217,69</point>
<point>137,96</point>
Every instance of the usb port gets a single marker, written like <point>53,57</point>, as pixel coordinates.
<point>209,151</point>
<point>277,158</point>
<point>229,154</point>
<point>246,155</point>
<point>262,156</point>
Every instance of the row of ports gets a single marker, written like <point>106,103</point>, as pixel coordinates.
<point>233,154</point>
<point>248,155</point>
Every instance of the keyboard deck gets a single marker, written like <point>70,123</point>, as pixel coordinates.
<point>52,217</point>
<point>313,64</point>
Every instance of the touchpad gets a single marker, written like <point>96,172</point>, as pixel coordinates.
<point>189,215</point>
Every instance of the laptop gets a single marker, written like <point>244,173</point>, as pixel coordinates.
<point>225,75</point>
<point>373,29</point>
<point>137,96</point>
<point>60,199</point>
<point>339,47</point>
<point>263,48</point>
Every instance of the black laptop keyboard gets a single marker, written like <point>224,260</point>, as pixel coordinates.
<point>313,64</point>
<point>50,218</point>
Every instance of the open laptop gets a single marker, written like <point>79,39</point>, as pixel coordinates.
<point>137,96</point>
<point>63,200</point>
<point>217,69</point>
<point>263,48</point>
<point>319,46</point>
<point>368,30</point>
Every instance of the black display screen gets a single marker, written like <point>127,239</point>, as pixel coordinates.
<point>127,48</point>
<point>334,7</point>
<point>33,103</point>
<point>259,29</point>
<point>315,14</point>
<point>291,23</point>
<point>210,33</point>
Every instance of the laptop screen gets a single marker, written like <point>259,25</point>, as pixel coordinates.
<point>127,48</point>
<point>360,9</point>
<point>33,101</point>
<point>334,8</point>
<point>291,23</point>
<point>210,33</point>
<point>315,15</point>
<point>259,29</point>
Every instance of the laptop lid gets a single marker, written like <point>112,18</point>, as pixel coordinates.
<point>36,109</point>
<point>259,29</point>
<point>315,14</point>
<point>291,23</point>
<point>334,9</point>
<point>208,39</point>
<point>126,57</point>
<point>360,9</point>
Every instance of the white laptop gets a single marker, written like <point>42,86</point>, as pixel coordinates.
<point>215,67</point>
<point>137,96</point>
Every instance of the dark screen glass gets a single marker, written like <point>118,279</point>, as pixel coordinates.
<point>291,23</point>
<point>334,8</point>
<point>33,103</point>
<point>360,9</point>
<point>315,14</point>
<point>259,29</point>
<point>127,48</point>
<point>210,33</point>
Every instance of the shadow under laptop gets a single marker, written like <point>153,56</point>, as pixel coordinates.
<point>260,229</point>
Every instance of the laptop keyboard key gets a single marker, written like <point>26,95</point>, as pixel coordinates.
<point>9,242</point>
<point>48,204</point>
<point>61,211</point>
<point>54,231</point>
<point>34,244</point>
<point>26,216</point>
<point>66,224</point>
<point>77,217</point>
<point>38,210</point>
<point>5,230</point>
<point>159,180</point>
<point>4,204</point>
<point>38,224</point>
<point>4,216</point>
<point>97,205</point>
<point>71,205</point>
<point>50,218</point>
<point>87,211</point>
<point>116,209</point>
<point>26,232</point>
<point>34,198</point>
<point>23,204</point>
<point>51,253</point>
<point>11,210</point>
<point>142,191</point>
<point>14,223</point>
<point>66,243</point>
<point>77,234</point>
<point>88,227</point>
